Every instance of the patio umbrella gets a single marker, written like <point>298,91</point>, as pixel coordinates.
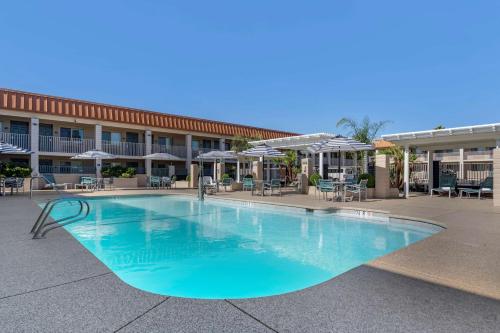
<point>94,155</point>
<point>339,144</point>
<point>214,155</point>
<point>263,151</point>
<point>7,148</point>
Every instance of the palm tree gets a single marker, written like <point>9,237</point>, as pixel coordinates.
<point>364,131</point>
<point>397,154</point>
<point>240,143</point>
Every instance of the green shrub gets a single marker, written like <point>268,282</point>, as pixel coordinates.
<point>13,170</point>
<point>225,176</point>
<point>314,178</point>
<point>188,178</point>
<point>118,171</point>
<point>371,179</point>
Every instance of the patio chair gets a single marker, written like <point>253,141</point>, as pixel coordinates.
<point>2,186</point>
<point>154,182</point>
<point>226,182</point>
<point>209,185</point>
<point>447,184</point>
<point>166,182</point>
<point>358,189</point>
<point>50,182</point>
<point>87,183</point>
<point>274,184</point>
<point>486,186</point>
<point>249,185</point>
<point>326,186</point>
<point>14,183</point>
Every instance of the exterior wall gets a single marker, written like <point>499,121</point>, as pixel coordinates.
<point>382,180</point>
<point>496,177</point>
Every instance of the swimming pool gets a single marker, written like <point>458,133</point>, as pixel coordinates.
<point>179,246</point>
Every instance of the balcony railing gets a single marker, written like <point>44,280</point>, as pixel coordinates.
<point>123,148</point>
<point>20,140</point>
<point>56,144</point>
<point>478,155</point>
<point>66,169</point>
<point>179,151</point>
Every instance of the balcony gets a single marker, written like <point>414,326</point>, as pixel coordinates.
<point>179,151</point>
<point>124,148</point>
<point>44,169</point>
<point>20,140</point>
<point>54,144</point>
<point>485,155</point>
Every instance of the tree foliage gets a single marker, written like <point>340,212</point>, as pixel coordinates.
<point>364,131</point>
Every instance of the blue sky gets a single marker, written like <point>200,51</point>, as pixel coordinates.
<point>292,65</point>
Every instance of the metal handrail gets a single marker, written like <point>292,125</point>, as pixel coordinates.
<point>42,227</point>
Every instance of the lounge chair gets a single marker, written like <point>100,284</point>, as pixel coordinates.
<point>248,184</point>
<point>358,189</point>
<point>226,182</point>
<point>447,184</point>
<point>87,183</point>
<point>50,182</point>
<point>274,184</point>
<point>486,186</point>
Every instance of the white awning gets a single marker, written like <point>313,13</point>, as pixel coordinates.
<point>299,142</point>
<point>488,135</point>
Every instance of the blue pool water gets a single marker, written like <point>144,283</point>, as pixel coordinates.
<point>178,246</point>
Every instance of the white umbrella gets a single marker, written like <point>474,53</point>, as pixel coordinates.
<point>162,157</point>
<point>94,155</point>
<point>339,144</point>
<point>7,148</point>
<point>214,156</point>
<point>263,151</point>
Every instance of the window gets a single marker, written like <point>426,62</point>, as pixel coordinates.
<point>1,127</point>
<point>114,137</point>
<point>164,141</point>
<point>46,129</point>
<point>69,133</point>
<point>195,145</point>
<point>217,145</point>
<point>207,144</point>
<point>65,132</point>
<point>77,133</point>
<point>132,137</point>
<point>19,127</point>
<point>227,145</point>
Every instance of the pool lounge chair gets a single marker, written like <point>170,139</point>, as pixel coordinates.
<point>14,183</point>
<point>87,183</point>
<point>358,189</point>
<point>486,186</point>
<point>166,182</point>
<point>447,184</point>
<point>50,182</point>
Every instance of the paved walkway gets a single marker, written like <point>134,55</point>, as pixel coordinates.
<point>447,283</point>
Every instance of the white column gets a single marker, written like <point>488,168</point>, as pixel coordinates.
<point>189,150</point>
<point>34,131</point>
<point>238,170</point>
<point>430,170</point>
<point>406,172</point>
<point>461,164</point>
<point>98,146</point>
<point>149,141</point>
<point>222,144</point>
<point>321,165</point>
<point>365,162</point>
<point>342,158</point>
<point>268,171</point>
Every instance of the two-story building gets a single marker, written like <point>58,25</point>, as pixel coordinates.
<point>55,129</point>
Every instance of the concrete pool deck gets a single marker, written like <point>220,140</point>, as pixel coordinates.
<point>448,282</point>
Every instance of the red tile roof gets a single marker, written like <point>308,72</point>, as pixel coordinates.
<point>37,103</point>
